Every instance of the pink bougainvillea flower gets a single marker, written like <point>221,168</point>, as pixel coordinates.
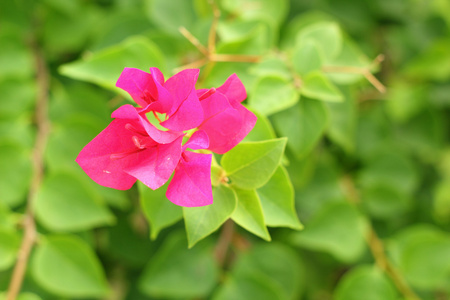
<point>131,148</point>
<point>175,97</point>
<point>126,150</point>
<point>226,120</point>
<point>191,183</point>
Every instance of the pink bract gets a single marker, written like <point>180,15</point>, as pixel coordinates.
<point>191,182</point>
<point>124,151</point>
<point>176,97</point>
<point>131,148</point>
<point>226,120</point>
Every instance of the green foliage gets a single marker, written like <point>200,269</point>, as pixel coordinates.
<point>104,67</point>
<point>250,165</point>
<point>330,162</point>
<point>159,212</point>
<point>254,275</point>
<point>337,229</point>
<point>202,221</point>
<point>63,203</point>
<point>67,266</point>
<point>278,93</point>
<point>177,271</point>
<point>365,280</point>
<point>249,213</point>
<point>9,244</point>
<point>303,125</point>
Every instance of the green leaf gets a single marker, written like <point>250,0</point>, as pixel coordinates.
<point>390,169</point>
<point>433,63</point>
<point>22,91</point>
<point>250,165</point>
<point>271,65</point>
<point>7,219</point>
<point>258,9</point>
<point>159,211</point>
<point>15,176</point>
<point>277,201</point>
<point>65,265</point>
<point>67,139</point>
<point>128,241</point>
<point>343,121</point>
<point>383,201</point>
<point>16,59</point>
<point>441,204</point>
<point>327,36</point>
<point>272,94</point>
<point>303,125</point>
<point>307,57</point>
<point>64,203</point>
<point>322,185</point>
<point>170,15</point>
<point>202,221</point>
<point>406,99</point>
<point>17,131</point>
<point>22,296</point>
<point>350,56</point>
<point>254,286</point>
<point>422,254</point>
<point>9,246</point>
<point>316,85</point>
<point>255,42</point>
<point>68,30</point>
<point>366,282</point>
<point>104,67</point>
<point>249,214</point>
<point>263,130</point>
<point>178,272</point>
<point>286,271</point>
<point>338,229</point>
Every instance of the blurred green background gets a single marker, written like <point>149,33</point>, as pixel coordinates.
<point>370,169</point>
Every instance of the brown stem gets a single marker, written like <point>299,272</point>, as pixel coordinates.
<point>213,29</point>
<point>194,41</point>
<point>209,53</point>
<point>377,248</point>
<point>234,58</point>
<point>226,236</point>
<point>29,237</point>
<point>357,70</point>
<point>196,64</point>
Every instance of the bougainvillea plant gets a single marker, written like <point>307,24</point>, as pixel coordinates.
<point>150,142</point>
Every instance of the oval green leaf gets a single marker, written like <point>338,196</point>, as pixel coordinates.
<point>158,210</point>
<point>202,221</point>
<point>104,67</point>
<point>277,201</point>
<point>249,214</point>
<point>338,229</point>
<point>250,165</point>
<point>66,266</point>
<point>272,94</point>
<point>178,272</point>
<point>317,86</point>
<point>65,203</point>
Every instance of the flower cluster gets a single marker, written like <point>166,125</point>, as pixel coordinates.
<point>133,148</point>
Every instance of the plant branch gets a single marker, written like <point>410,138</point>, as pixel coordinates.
<point>43,127</point>
<point>194,41</point>
<point>361,71</point>
<point>377,248</point>
<point>234,58</point>
<point>195,64</point>
<point>223,244</point>
<point>209,53</point>
<point>213,29</point>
